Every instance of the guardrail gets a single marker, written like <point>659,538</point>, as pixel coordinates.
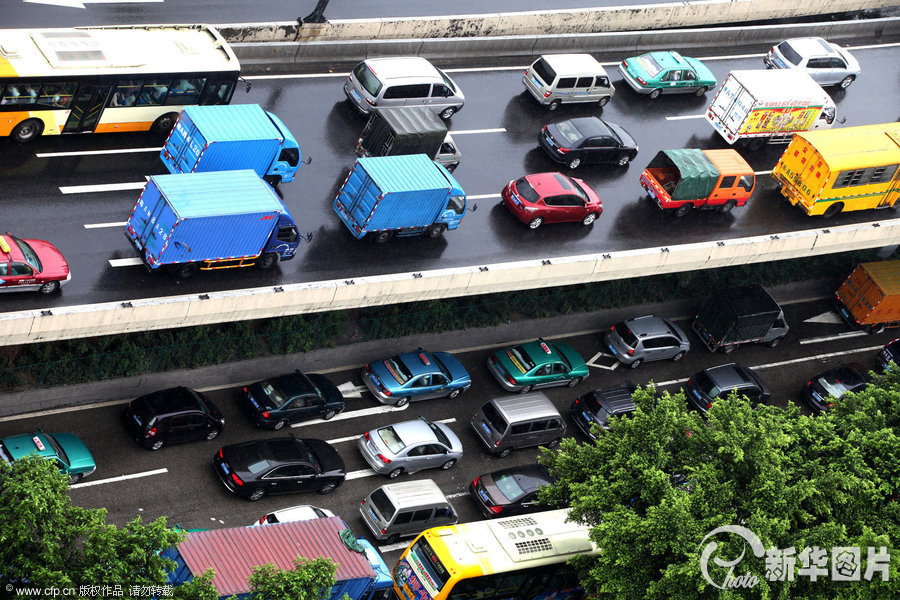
<point>70,322</point>
<point>259,57</point>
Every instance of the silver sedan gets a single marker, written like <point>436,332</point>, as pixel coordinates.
<point>410,446</point>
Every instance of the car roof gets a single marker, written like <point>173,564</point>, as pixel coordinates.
<point>402,67</point>
<point>652,325</point>
<point>9,250</point>
<point>416,362</point>
<point>168,401</point>
<point>414,431</point>
<point>812,46</point>
<point>590,126</point>
<point>616,399</point>
<point>552,184</point>
<point>528,476</point>
<point>24,444</point>
<point>301,512</point>
<point>669,59</point>
<point>731,375</point>
<point>542,351</point>
<point>567,63</point>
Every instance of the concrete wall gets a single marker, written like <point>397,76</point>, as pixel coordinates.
<point>700,13</point>
<point>216,307</point>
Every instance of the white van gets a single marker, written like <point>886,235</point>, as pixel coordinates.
<point>407,508</point>
<point>402,81</point>
<point>556,78</point>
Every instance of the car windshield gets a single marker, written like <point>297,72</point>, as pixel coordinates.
<point>706,384</point>
<point>441,366</point>
<point>569,132</point>
<point>60,453</point>
<point>509,486</point>
<point>520,358</point>
<point>649,64</point>
<point>31,256</point>
<point>526,191</point>
<point>788,52</point>
<point>367,78</point>
<point>390,439</point>
<point>250,455</point>
<point>396,368</point>
<point>440,435</point>
<point>580,190</point>
<point>447,80</point>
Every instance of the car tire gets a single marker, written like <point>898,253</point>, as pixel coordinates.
<point>447,112</point>
<point>156,445</point>
<point>526,389</point>
<point>655,94</point>
<point>554,104</point>
<point>833,210</point>
<point>623,160</point>
<point>51,287</point>
<point>574,163</point>
<point>589,219</point>
<point>382,237</point>
<point>27,131</point>
<point>327,488</point>
<point>213,435</point>
<point>574,382</point>
<point>329,415</point>
<point>395,473</point>
<point>273,180</point>
<point>875,329</point>
<point>164,123</point>
<point>455,393</point>
<point>401,402</point>
<point>448,465</point>
<point>678,356</point>
<point>682,210</point>
<point>701,91</point>
<point>279,425</point>
<point>256,494</point>
<point>637,362</point>
<point>436,231</point>
<point>535,222</point>
<point>504,453</point>
<point>73,479</point>
<point>604,101</point>
<point>553,443</point>
<point>846,81</point>
<point>727,207</point>
<point>266,261</point>
<point>774,342</point>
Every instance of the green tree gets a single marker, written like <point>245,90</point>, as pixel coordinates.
<point>46,541</point>
<point>655,485</point>
<point>308,580</point>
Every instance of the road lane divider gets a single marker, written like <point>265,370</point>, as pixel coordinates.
<point>468,131</point>
<point>125,262</point>
<point>95,152</point>
<point>483,196</point>
<point>831,338</point>
<point>102,187</point>
<point>683,117</point>
<point>120,478</point>
<point>100,225</point>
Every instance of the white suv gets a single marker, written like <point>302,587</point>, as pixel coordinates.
<point>825,62</point>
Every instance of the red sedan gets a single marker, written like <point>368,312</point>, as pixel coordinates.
<point>28,265</point>
<point>551,198</point>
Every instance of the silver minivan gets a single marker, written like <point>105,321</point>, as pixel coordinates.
<point>510,423</point>
<point>557,78</point>
<point>402,81</point>
<point>403,509</point>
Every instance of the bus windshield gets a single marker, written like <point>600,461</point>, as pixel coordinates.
<point>421,571</point>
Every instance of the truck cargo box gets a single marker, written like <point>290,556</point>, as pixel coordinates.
<point>738,316</point>
<point>195,217</point>
<point>870,296</point>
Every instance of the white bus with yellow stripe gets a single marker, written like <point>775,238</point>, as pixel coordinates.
<point>109,79</point>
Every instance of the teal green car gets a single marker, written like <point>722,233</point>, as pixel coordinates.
<point>69,452</point>
<point>537,364</point>
<point>667,72</point>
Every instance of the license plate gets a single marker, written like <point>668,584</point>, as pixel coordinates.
<point>137,419</point>
<point>225,469</point>
<point>254,402</point>
<point>355,95</point>
<point>487,429</point>
<point>535,81</point>
<point>586,416</point>
<point>483,495</point>
<point>817,396</point>
<point>613,350</point>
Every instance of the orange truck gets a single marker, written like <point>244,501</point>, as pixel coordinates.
<point>684,179</point>
<point>870,297</point>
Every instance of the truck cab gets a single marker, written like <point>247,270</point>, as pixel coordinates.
<point>285,238</point>
<point>286,163</point>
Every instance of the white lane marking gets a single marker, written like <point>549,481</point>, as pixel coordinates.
<point>456,495</point>
<point>120,478</point>
<point>102,187</point>
<point>468,131</point>
<point>365,412</point>
<point>592,362</point>
<point>829,316</point>
<point>66,3</point>
<point>125,262</point>
<point>56,411</point>
<point>360,474</point>
<point>393,547</point>
<point>99,225</point>
<point>93,152</point>
<point>483,196</point>
<point>296,76</point>
<point>348,390</point>
<point>840,336</point>
<point>682,117</point>
<point>762,172</point>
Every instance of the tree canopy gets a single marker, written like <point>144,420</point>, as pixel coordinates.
<point>656,484</point>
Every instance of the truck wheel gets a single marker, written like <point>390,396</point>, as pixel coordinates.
<point>184,270</point>
<point>833,210</point>
<point>726,208</point>
<point>701,91</point>
<point>436,231</point>
<point>846,81</point>
<point>728,348</point>
<point>683,210</point>
<point>266,261</point>
<point>163,124</point>
<point>554,105</point>
<point>655,94</point>
<point>273,180</point>
<point>774,342</point>
<point>27,130</point>
<point>382,236</point>
<point>604,101</point>
<point>451,168</point>
<point>875,329</point>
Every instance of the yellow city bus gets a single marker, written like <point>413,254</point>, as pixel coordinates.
<point>522,557</point>
<point>853,168</point>
<point>106,79</point>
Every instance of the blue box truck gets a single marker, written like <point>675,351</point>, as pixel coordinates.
<point>230,137</point>
<point>203,221</point>
<point>232,554</point>
<point>384,196</point>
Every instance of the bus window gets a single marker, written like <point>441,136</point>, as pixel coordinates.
<point>20,93</point>
<point>57,95</point>
<point>154,91</point>
<point>217,92</point>
<point>185,91</point>
<point>126,93</point>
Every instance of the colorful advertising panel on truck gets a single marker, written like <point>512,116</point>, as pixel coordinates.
<point>851,168</point>
<point>109,79</point>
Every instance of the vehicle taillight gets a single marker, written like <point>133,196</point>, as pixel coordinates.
<point>809,383</point>
<point>625,63</point>
<point>236,479</point>
<point>265,414</point>
<point>546,94</point>
<point>510,379</point>
<point>385,391</point>
<point>631,352</point>
<point>495,509</point>
<point>371,102</point>
<point>563,150</point>
<point>262,521</point>
<point>708,405</point>
<point>366,435</point>
<point>245,390</point>
<point>497,444</point>
<point>151,432</point>
<point>221,453</point>
<point>384,530</point>
<point>475,481</point>
<point>384,459</point>
<point>641,81</point>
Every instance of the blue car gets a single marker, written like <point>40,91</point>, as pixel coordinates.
<point>418,375</point>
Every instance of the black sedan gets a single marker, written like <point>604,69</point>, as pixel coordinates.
<point>291,398</point>
<point>279,466</point>
<point>510,491</point>
<point>821,391</point>
<point>709,385</point>
<point>172,416</point>
<point>587,140</point>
